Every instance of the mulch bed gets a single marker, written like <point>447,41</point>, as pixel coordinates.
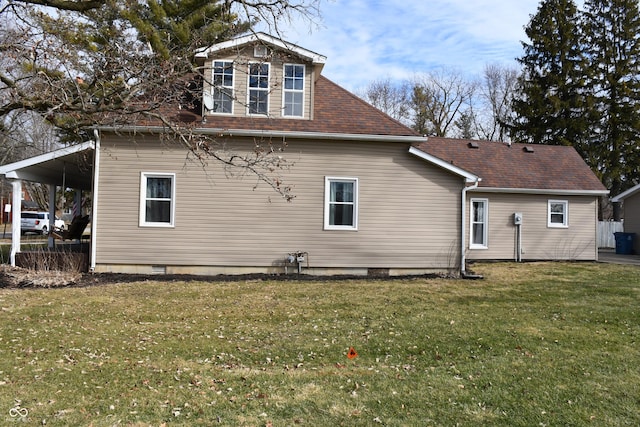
<point>16,277</point>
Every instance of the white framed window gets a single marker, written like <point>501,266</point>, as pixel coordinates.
<point>293,93</point>
<point>222,87</point>
<point>259,88</point>
<point>340,203</point>
<point>157,199</point>
<point>558,213</point>
<point>479,224</point>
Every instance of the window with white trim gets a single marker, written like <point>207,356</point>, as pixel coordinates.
<point>479,224</point>
<point>341,203</point>
<point>222,87</point>
<point>558,213</point>
<point>157,199</point>
<point>259,88</point>
<point>293,94</point>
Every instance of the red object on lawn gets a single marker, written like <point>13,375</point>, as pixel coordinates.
<point>352,353</point>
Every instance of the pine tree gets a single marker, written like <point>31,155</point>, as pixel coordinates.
<point>612,35</point>
<point>549,104</point>
<point>182,25</point>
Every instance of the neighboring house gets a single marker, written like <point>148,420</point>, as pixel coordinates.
<point>631,213</point>
<point>371,195</point>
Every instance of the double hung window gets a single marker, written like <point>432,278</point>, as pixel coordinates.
<point>223,87</point>
<point>259,88</point>
<point>341,204</point>
<point>293,96</point>
<point>157,199</point>
<point>558,213</point>
<point>479,223</point>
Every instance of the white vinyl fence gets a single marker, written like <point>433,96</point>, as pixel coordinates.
<point>606,229</point>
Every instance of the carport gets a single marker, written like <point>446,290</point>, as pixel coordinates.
<point>68,167</point>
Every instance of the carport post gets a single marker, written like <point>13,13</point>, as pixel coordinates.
<point>52,214</point>
<point>16,186</point>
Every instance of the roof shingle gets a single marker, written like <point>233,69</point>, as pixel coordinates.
<point>336,111</point>
<point>516,166</point>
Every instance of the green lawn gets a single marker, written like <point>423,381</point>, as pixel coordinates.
<point>531,345</point>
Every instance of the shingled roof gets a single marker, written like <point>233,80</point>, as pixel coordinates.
<point>517,166</point>
<point>336,111</point>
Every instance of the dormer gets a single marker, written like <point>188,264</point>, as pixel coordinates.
<point>259,76</point>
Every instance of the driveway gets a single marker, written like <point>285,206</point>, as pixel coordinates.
<point>610,256</point>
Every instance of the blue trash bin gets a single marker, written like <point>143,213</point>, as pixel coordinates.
<point>624,243</point>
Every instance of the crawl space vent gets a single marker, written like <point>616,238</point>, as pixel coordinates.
<point>158,269</point>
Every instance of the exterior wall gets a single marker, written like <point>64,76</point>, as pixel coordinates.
<point>539,242</point>
<point>632,219</point>
<point>408,213</point>
<point>276,60</point>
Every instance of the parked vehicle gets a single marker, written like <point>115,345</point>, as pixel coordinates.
<point>37,222</point>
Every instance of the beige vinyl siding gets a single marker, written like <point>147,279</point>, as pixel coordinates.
<point>276,63</point>
<point>632,219</point>
<point>539,242</point>
<point>408,210</point>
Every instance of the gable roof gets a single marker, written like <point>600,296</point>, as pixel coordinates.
<point>630,192</point>
<point>336,110</point>
<point>546,169</point>
<point>260,38</point>
<point>337,114</point>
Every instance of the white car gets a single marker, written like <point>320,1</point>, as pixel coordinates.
<point>37,222</point>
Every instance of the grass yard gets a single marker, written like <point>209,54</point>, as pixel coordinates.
<point>531,345</point>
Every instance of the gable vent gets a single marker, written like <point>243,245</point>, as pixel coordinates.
<point>527,149</point>
<point>260,51</point>
<point>473,145</point>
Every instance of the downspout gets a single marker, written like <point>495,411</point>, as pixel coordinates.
<point>463,241</point>
<point>94,197</point>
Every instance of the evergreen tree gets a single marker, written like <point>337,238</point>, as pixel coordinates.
<point>549,102</point>
<point>612,35</point>
<point>170,25</point>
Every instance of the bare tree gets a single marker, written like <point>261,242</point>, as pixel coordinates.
<point>438,98</point>
<point>392,98</point>
<point>493,99</point>
<point>81,64</point>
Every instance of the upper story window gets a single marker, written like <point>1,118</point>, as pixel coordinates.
<point>558,213</point>
<point>223,87</point>
<point>341,204</point>
<point>157,199</point>
<point>259,88</point>
<point>479,223</point>
<point>293,96</point>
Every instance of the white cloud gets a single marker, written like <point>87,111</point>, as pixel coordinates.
<point>369,39</point>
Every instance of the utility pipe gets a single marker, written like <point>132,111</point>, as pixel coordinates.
<point>463,242</point>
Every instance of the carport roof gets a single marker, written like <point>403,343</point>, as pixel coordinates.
<point>70,166</point>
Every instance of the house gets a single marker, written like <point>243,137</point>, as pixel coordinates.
<point>631,213</point>
<point>371,195</point>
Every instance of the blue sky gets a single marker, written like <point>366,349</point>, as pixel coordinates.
<point>365,40</point>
